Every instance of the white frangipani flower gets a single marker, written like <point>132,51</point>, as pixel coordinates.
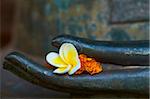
<point>66,61</point>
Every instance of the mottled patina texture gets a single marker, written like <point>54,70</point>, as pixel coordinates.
<point>38,21</point>
<point>129,11</point>
<point>41,20</point>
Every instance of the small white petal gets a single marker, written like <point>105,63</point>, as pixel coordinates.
<point>62,50</point>
<point>75,68</point>
<point>62,70</point>
<point>55,60</point>
<point>70,54</point>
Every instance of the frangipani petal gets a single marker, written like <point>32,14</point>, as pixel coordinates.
<point>74,68</point>
<point>71,54</point>
<point>55,60</point>
<point>61,51</point>
<point>62,70</point>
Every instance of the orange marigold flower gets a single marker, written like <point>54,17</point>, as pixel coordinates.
<point>88,65</point>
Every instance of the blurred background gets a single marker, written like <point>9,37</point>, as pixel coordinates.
<point>29,26</point>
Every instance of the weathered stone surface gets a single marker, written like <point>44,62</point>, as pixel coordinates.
<point>41,20</point>
<point>124,80</point>
<point>38,21</point>
<point>129,11</point>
